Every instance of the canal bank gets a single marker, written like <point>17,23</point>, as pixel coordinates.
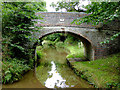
<point>101,73</point>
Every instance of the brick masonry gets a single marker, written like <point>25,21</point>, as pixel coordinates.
<point>89,35</point>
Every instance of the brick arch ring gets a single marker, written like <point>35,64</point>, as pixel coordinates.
<point>88,46</point>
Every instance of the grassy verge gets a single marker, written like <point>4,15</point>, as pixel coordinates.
<point>75,51</point>
<point>103,73</point>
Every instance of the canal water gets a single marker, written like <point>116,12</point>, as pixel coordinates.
<point>28,81</point>
<point>52,72</point>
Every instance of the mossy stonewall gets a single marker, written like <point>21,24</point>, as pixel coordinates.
<point>102,73</point>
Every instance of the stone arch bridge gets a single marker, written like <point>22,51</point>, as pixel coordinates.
<point>60,22</point>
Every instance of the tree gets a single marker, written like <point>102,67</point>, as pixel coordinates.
<point>101,13</point>
<point>17,18</point>
<point>68,6</point>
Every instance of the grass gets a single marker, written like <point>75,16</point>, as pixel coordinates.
<point>103,73</point>
<point>75,51</point>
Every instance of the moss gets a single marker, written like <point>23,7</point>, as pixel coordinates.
<point>103,73</point>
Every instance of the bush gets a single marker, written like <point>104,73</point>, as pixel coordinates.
<point>17,18</point>
<point>75,52</point>
<point>59,44</point>
<point>39,54</point>
<point>12,70</point>
<point>38,48</point>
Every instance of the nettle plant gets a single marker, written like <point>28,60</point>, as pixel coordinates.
<point>17,18</point>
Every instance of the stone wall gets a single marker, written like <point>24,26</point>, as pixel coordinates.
<point>54,22</point>
<point>91,39</point>
<point>65,19</point>
<point>60,19</point>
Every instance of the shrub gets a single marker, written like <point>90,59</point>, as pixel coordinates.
<point>12,70</point>
<point>39,54</point>
<point>59,44</point>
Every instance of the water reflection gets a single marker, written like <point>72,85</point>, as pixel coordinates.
<point>55,79</point>
<point>53,71</point>
<point>47,75</point>
<point>28,81</point>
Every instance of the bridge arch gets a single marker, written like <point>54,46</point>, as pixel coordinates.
<point>61,22</point>
<point>88,46</point>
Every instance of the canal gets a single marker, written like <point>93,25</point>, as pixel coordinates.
<point>52,72</point>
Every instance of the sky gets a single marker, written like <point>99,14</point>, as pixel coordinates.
<point>48,2</point>
<point>50,9</point>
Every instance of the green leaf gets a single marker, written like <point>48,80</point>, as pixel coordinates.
<point>8,77</point>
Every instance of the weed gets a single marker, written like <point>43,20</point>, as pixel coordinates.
<point>13,70</point>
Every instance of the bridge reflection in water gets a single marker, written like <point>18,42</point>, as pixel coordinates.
<point>53,71</point>
<point>56,79</point>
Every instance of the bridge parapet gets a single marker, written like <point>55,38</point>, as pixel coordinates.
<point>51,19</point>
<point>61,19</point>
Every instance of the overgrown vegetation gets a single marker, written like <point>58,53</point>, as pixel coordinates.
<point>99,13</point>
<point>102,73</point>
<point>17,18</point>
<point>66,41</point>
<point>39,52</point>
<point>72,6</point>
<point>75,52</point>
<point>13,70</point>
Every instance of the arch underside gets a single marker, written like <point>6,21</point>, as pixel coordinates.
<point>88,47</point>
